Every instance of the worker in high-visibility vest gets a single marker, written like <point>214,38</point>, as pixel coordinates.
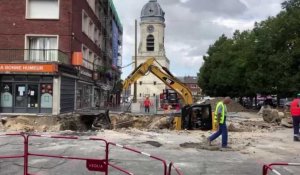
<point>220,119</point>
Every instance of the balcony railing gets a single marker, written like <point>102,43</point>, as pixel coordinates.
<point>33,55</point>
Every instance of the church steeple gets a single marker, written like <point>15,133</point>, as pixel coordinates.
<point>152,37</point>
<point>152,29</point>
<point>152,11</point>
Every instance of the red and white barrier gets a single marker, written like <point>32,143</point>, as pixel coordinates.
<point>164,163</point>
<point>92,164</point>
<point>19,155</point>
<point>172,166</point>
<point>268,167</point>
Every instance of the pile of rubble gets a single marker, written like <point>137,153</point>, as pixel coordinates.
<point>270,115</point>
<point>140,122</point>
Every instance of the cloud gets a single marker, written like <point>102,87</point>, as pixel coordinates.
<point>193,25</point>
<point>226,8</point>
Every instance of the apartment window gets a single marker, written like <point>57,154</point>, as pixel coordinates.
<point>99,39</point>
<point>150,43</point>
<point>91,29</point>
<point>85,54</point>
<point>91,59</point>
<point>97,11</point>
<point>43,9</point>
<point>97,61</point>
<point>96,36</point>
<point>42,48</point>
<point>85,23</point>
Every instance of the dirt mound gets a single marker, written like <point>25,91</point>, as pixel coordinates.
<point>153,143</point>
<point>205,146</point>
<point>42,123</point>
<point>140,122</point>
<point>232,107</point>
<point>29,124</point>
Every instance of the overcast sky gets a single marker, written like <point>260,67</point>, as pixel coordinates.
<point>193,25</point>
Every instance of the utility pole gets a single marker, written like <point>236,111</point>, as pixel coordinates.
<point>135,64</point>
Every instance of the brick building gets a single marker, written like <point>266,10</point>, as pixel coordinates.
<point>57,56</point>
<point>192,83</point>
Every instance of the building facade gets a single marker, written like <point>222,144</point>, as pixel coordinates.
<point>152,37</point>
<point>58,56</point>
<point>192,83</point>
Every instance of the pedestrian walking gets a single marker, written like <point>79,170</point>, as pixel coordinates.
<point>147,104</point>
<point>220,115</point>
<point>295,112</point>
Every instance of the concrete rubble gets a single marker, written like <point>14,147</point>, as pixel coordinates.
<point>270,115</point>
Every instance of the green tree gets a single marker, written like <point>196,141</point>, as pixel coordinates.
<point>265,60</point>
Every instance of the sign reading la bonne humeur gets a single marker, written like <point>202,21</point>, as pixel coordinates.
<point>43,68</point>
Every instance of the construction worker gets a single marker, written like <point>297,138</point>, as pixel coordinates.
<point>295,112</point>
<point>147,104</point>
<point>220,119</point>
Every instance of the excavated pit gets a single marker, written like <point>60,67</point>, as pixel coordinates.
<point>80,123</point>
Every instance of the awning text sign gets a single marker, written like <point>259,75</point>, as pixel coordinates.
<point>43,68</point>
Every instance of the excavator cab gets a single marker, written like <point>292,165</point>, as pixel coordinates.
<point>197,117</point>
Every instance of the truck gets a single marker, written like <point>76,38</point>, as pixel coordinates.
<point>169,98</point>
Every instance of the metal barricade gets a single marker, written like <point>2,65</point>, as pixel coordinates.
<point>92,164</point>
<point>97,165</point>
<point>172,166</point>
<point>164,163</point>
<point>268,167</point>
<point>17,156</point>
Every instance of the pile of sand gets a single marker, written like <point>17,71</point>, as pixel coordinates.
<point>232,107</point>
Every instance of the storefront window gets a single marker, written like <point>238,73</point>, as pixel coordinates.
<point>6,95</point>
<point>20,95</point>
<point>26,94</point>
<point>33,96</point>
<point>83,96</point>
<point>46,95</point>
<point>87,96</point>
<point>96,97</point>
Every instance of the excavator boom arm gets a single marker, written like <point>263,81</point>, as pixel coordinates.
<point>173,83</point>
<point>167,78</point>
<point>136,74</point>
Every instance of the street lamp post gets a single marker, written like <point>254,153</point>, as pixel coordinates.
<point>135,65</point>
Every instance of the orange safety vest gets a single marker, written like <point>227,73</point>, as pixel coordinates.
<point>295,109</point>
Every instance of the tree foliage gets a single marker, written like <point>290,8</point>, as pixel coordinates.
<point>264,60</point>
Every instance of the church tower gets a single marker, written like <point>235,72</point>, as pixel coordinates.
<point>152,37</point>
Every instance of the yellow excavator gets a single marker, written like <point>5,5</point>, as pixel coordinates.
<point>193,116</point>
